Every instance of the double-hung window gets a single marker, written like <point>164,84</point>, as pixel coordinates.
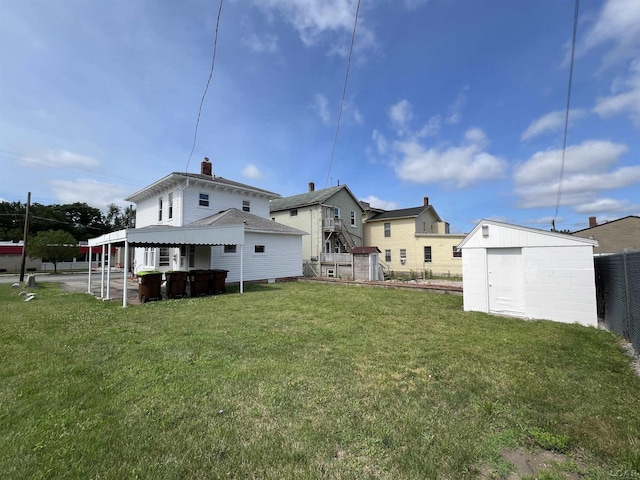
<point>170,202</point>
<point>387,255</point>
<point>353,218</point>
<point>160,209</point>
<point>203,200</point>
<point>246,206</point>
<point>387,229</point>
<point>164,257</point>
<point>457,253</point>
<point>427,255</point>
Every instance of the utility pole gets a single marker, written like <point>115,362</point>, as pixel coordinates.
<point>24,238</point>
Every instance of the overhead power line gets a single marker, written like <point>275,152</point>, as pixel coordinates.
<point>344,91</point>
<point>566,115</point>
<point>206,88</point>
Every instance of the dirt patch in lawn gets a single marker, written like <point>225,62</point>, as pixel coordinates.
<point>531,463</point>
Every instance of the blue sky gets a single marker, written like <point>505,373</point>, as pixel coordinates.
<point>458,100</point>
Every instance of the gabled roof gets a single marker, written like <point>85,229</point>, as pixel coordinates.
<point>316,197</point>
<point>251,222</point>
<point>545,233</point>
<point>404,213</point>
<point>607,223</point>
<point>178,178</point>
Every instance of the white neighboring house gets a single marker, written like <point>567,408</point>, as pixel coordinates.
<point>525,272</point>
<point>184,221</point>
<point>185,199</point>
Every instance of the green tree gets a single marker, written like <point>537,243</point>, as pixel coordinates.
<point>54,246</point>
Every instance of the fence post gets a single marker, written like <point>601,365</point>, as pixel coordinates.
<point>627,293</point>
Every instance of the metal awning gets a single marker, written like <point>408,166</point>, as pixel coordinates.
<point>155,236</point>
<point>166,236</point>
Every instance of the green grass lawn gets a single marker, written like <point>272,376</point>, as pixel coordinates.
<point>304,380</point>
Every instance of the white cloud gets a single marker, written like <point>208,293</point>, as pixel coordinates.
<point>400,115</point>
<point>590,156</point>
<point>375,202</point>
<point>430,128</point>
<point>413,4</point>
<point>624,102</point>
<point>318,19</point>
<point>551,122</point>
<point>321,105</point>
<point>618,22</point>
<point>462,165</point>
<point>606,205</point>
<point>587,173</point>
<point>97,194</point>
<point>265,44</point>
<point>252,172</point>
<point>382,146</point>
<point>61,159</point>
<point>455,111</point>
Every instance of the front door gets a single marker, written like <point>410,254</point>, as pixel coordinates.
<point>506,281</point>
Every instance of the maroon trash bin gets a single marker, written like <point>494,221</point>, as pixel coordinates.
<point>149,286</point>
<point>176,284</point>
<point>198,282</point>
<point>217,279</point>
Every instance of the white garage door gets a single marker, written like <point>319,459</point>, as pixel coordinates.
<point>506,281</point>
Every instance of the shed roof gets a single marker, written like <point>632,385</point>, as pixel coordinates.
<point>365,250</point>
<point>545,237</point>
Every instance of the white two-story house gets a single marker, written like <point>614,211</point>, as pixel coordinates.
<point>221,224</point>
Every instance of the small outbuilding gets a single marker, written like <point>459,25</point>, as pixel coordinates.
<point>524,272</point>
<point>365,264</point>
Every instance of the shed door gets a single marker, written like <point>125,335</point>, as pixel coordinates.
<point>506,281</point>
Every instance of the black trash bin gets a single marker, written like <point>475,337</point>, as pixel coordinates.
<point>149,286</point>
<point>198,282</point>
<point>217,279</point>
<point>176,284</point>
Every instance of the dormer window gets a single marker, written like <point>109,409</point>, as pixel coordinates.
<point>203,200</point>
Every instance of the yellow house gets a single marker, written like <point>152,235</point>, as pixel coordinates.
<point>413,240</point>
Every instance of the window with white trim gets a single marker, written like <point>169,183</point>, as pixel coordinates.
<point>353,218</point>
<point>293,212</point>
<point>403,254</point>
<point>336,212</point>
<point>170,202</point>
<point>160,209</point>
<point>258,249</point>
<point>457,253</point>
<point>387,229</point>
<point>149,257</point>
<point>164,257</point>
<point>246,206</point>
<point>203,200</point>
<point>230,249</point>
<point>387,255</point>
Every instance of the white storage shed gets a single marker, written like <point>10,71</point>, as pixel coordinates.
<point>525,272</point>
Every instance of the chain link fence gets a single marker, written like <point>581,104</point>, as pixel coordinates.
<point>618,293</point>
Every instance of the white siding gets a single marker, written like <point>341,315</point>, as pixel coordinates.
<point>558,272</point>
<point>218,200</point>
<point>282,257</point>
<point>560,284</point>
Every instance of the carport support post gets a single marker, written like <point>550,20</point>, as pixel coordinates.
<point>89,276</point>
<point>109,272</point>
<point>126,272</point>
<point>102,273</point>
<point>241,268</point>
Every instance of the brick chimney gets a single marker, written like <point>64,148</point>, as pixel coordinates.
<point>592,222</point>
<point>312,187</point>
<point>426,201</point>
<point>205,167</point>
